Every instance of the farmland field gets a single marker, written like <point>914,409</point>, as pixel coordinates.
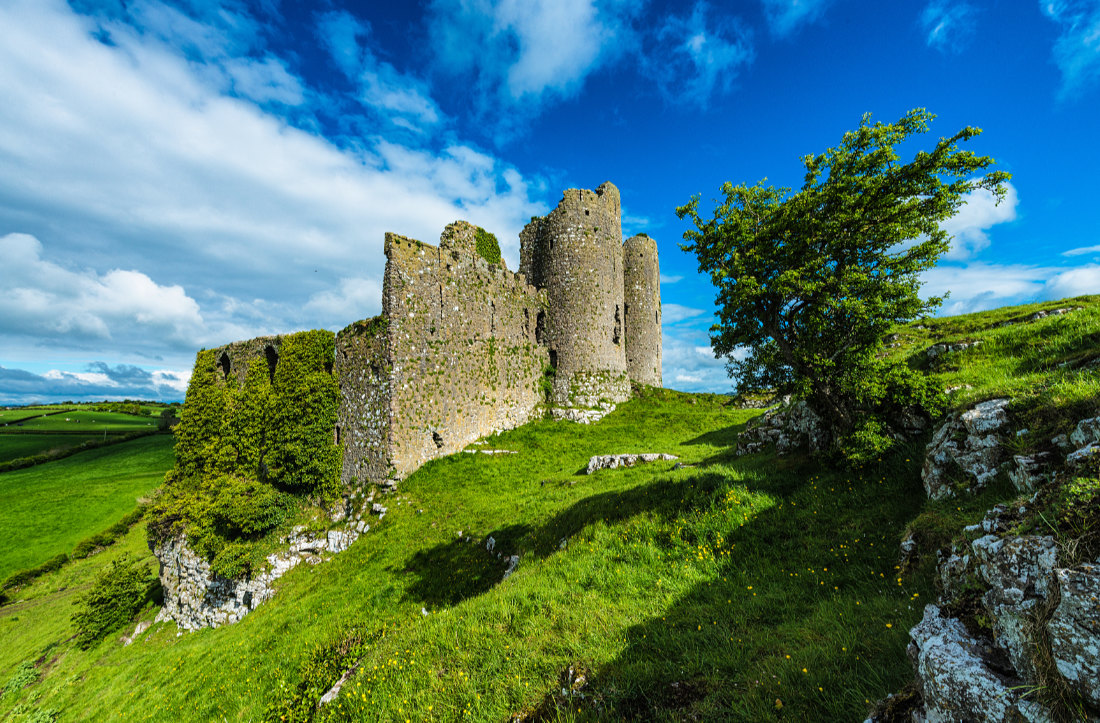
<point>87,421</point>
<point>47,509</point>
<point>14,446</point>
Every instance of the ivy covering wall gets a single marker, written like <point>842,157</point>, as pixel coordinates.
<point>250,455</point>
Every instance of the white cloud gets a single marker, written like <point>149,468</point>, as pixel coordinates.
<point>98,382</point>
<point>523,53</point>
<point>670,279</point>
<point>688,362</point>
<point>786,16</point>
<point>1082,251</point>
<point>696,58</point>
<point>672,313</point>
<point>982,286</point>
<point>131,157</point>
<point>949,24</point>
<point>353,299</point>
<point>979,213</point>
<point>1073,282</point>
<point>41,299</point>
<point>1077,50</point>
<point>404,99</point>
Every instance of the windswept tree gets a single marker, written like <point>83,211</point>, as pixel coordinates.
<point>809,283</point>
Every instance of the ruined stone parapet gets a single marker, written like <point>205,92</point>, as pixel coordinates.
<point>455,358</point>
<point>575,254</point>
<point>234,359</point>
<point>642,309</point>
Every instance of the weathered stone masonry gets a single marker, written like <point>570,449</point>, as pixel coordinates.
<point>464,348</point>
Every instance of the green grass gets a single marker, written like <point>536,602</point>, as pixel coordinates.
<point>14,446</point>
<point>45,510</point>
<point>86,421</point>
<point>752,588</point>
<point>707,577</point>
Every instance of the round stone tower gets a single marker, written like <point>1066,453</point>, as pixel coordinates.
<point>642,309</point>
<point>575,253</point>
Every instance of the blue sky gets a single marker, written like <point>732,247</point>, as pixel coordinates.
<point>182,173</point>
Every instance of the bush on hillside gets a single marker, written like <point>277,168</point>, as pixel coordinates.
<point>118,594</point>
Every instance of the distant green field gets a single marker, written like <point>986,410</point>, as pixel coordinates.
<point>14,446</point>
<point>85,421</point>
<point>47,509</point>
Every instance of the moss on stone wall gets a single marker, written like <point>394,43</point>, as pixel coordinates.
<point>487,246</point>
<point>247,454</point>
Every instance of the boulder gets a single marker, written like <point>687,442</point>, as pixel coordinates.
<point>614,461</point>
<point>1074,629</point>
<point>1020,575</point>
<point>791,427</point>
<point>956,681</point>
<point>972,442</point>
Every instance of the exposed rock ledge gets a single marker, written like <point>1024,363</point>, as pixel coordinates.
<point>196,598</point>
<point>614,461</point>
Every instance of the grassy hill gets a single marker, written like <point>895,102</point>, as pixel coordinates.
<point>739,588</point>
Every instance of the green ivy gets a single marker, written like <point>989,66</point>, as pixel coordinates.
<point>487,246</point>
<point>248,454</point>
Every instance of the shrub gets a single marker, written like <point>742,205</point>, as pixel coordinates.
<point>117,595</point>
<point>247,508</point>
<point>24,675</point>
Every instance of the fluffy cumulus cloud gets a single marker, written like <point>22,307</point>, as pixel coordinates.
<point>786,16</point>
<point>948,24</point>
<point>97,382</point>
<point>521,54</point>
<point>1077,50</point>
<point>43,300</point>
<point>979,286</point>
<point>155,147</point>
<point>697,57</point>
<point>981,211</point>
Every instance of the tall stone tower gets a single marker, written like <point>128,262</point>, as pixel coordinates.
<point>575,253</point>
<point>642,309</point>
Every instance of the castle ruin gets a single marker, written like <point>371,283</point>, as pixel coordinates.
<point>464,347</point>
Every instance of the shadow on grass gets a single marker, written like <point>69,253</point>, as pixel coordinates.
<point>455,571</point>
<point>775,631</point>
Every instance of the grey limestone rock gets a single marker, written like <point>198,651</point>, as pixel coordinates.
<point>947,348</point>
<point>791,427</point>
<point>971,441</point>
<point>1074,629</point>
<point>1029,472</point>
<point>1020,574</point>
<point>614,461</point>
<point>956,682</point>
<point>1086,432</point>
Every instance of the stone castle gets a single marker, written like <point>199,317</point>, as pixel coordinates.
<point>464,347</point>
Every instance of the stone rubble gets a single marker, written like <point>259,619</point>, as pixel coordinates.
<point>615,461</point>
<point>194,597</point>
<point>582,416</point>
<point>947,348</point>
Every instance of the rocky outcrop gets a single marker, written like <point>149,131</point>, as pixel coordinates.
<point>969,445</point>
<point>194,597</point>
<point>790,427</point>
<point>1074,629</point>
<point>1036,316</point>
<point>948,348</point>
<point>957,678</point>
<point>614,461</point>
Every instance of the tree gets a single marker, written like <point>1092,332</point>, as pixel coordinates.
<point>810,283</point>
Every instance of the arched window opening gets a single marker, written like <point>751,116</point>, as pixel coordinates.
<point>272,361</point>
<point>224,363</point>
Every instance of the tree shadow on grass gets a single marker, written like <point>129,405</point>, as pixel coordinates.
<point>457,570</point>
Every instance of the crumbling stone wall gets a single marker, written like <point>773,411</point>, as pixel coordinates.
<point>364,370</point>
<point>575,254</point>
<point>457,358</point>
<point>642,309</point>
<point>234,359</point>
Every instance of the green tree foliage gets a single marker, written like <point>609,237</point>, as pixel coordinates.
<point>117,595</point>
<point>810,282</point>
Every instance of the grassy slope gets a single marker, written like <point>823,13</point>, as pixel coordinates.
<point>677,592</point>
<point>14,446</point>
<point>45,510</point>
